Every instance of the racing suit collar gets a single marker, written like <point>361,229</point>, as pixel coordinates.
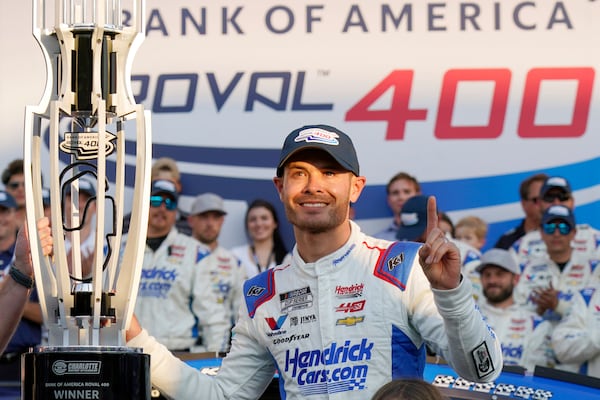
<point>333,261</point>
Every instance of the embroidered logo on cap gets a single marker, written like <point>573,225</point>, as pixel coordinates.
<point>557,181</point>
<point>558,211</point>
<point>409,219</point>
<point>317,135</point>
<point>165,185</point>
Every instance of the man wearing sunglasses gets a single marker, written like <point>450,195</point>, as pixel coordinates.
<point>549,282</point>
<point>555,191</point>
<point>175,299</point>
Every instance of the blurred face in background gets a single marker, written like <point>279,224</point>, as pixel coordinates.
<point>206,226</point>
<point>16,188</point>
<point>557,235</point>
<point>260,224</point>
<point>400,191</point>
<point>497,283</point>
<point>556,196</point>
<point>8,223</point>
<point>467,234</point>
<point>162,216</point>
<point>532,205</point>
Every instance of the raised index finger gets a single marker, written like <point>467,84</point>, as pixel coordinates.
<point>432,217</point>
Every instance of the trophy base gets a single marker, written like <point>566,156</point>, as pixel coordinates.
<point>105,373</point>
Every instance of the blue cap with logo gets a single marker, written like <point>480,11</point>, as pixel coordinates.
<point>559,212</point>
<point>555,182</point>
<point>413,218</point>
<point>322,137</point>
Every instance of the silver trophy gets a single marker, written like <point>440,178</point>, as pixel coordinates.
<point>87,118</point>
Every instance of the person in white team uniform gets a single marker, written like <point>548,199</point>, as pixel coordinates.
<point>206,219</point>
<point>549,281</point>
<point>524,335</point>
<point>175,298</point>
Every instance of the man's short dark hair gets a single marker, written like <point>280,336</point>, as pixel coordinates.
<point>405,176</point>
<point>526,184</point>
<point>15,167</point>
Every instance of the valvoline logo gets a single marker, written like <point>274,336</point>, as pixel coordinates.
<point>276,324</point>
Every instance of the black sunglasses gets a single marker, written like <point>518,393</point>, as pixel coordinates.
<point>15,185</point>
<point>549,198</point>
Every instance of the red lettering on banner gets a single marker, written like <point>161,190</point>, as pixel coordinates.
<point>399,112</point>
<point>443,126</point>
<point>581,109</point>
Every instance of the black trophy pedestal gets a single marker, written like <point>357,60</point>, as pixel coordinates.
<point>105,373</point>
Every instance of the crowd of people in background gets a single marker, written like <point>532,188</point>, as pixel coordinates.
<point>538,286</point>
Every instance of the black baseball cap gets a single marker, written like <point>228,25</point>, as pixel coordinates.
<point>322,137</point>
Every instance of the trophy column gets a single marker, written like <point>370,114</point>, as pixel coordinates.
<point>86,119</point>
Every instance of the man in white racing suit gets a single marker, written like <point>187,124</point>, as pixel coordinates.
<point>227,276</point>
<point>524,335</point>
<point>547,283</point>
<point>351,312</point>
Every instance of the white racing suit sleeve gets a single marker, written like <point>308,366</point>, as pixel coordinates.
<point>465,340</point>
<point>247,377</point>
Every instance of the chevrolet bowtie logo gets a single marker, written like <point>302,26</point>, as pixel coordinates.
<point>350,321</point>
